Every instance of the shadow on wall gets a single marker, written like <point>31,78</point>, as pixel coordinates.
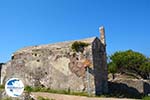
<point>146,87</point>
<point>122,90</point>
<point>0,70</point>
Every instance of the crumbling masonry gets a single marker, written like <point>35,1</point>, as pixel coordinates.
<point>59,66</point>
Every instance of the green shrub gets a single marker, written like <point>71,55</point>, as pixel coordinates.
<point>2,86</point>
<point>41,98</point>
<point>79,46</point>
<point>28,89</point>
<point>79,93</point>
<point>146,98</point>
<point>37,89</point>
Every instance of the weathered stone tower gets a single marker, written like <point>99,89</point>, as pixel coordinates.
<point>62,66</point>
<point>100,63</point>
<point>102,35</point>
<point>104,59</point>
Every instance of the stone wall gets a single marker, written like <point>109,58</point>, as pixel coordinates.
<point>1,64</point>
<point>130,88</point>
<point>100,67</point>
<point>57,66</point>
<point>48,68</point>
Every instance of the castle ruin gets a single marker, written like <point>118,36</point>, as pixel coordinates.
<point>78,65</point>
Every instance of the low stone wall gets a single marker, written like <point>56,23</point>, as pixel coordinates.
<point>130,88</point>
<point>147,87</point>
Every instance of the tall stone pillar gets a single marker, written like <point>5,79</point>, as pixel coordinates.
<point>102,35</point>
<point>1,64</point>
<point>104,60</point>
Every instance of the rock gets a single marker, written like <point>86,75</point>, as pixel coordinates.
<point>24,96</point>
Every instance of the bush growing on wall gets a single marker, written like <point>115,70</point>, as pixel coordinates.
<point>79,46</point>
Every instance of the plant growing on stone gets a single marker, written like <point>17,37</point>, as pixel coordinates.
<point>28,89</point>
<point>2,87</point>
<point>78,46</point>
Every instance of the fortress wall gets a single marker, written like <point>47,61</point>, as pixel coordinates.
<point>56,67</point>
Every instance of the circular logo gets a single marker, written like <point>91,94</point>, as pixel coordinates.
<point>14,87</point>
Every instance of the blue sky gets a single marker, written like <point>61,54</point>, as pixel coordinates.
<point>34,22</point>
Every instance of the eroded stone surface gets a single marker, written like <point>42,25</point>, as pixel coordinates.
<point>57,66</point>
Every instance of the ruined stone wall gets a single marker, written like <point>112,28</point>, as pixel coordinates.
<point>58,66</point>
<point>0,69</point>
<point>54,66</point>
<point>100,67</point>
<point>130,88</point>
